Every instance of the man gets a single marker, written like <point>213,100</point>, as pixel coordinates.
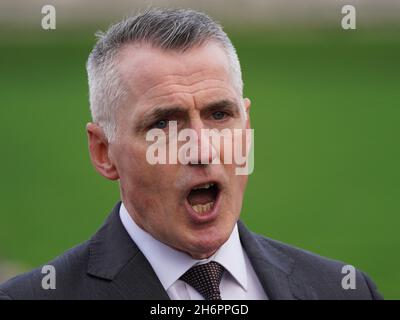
<point>176,234</point>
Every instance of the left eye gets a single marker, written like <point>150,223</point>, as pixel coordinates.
<point>219,115</point>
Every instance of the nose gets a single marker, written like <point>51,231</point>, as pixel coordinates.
<point>203,152</point>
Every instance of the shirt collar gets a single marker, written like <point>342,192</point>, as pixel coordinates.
<point>170,264</point>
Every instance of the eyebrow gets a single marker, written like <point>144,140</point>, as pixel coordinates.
<point>157,114</point>
<point>164,113</point>
<point>222,105</point>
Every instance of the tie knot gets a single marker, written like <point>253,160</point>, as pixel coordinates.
<point>205,278</point>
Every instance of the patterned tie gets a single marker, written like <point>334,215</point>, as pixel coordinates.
<point>205,278</point>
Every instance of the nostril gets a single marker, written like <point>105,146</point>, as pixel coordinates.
<point>198,164</point>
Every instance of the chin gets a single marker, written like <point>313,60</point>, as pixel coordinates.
<point>207,243</point>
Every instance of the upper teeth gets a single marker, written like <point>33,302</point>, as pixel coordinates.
<point>204,186</point>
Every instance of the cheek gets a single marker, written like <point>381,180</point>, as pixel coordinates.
<point>237,187</point>
<point>232,147</point>
<point>149,185</point>
<point>242,184</point>
<point>136,174</point>
<point>133,157</point>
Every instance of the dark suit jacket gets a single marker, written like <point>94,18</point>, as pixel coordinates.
<point>110,266</point>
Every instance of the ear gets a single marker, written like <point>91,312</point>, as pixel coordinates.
<point>99,152</point>
<point>247,103</point>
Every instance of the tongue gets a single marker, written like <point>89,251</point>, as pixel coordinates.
<point>201,196</point>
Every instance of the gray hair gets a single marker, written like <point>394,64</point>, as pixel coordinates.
<point>167,29</point>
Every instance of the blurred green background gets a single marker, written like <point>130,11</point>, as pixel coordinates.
<point>325,108</point>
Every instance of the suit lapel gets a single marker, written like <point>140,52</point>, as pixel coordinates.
<point>138,281</point>
<point>273,268</point>
<point>115,257</point>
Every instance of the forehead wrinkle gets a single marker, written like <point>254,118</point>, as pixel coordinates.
<point>186,80</point>
<point>185,89</point>
<point>191,95</point>
<point>135,67</point>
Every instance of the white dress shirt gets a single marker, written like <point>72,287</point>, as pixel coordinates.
<point>238,282</point>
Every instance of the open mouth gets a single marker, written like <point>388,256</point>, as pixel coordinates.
<point>203,198</point>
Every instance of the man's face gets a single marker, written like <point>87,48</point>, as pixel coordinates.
<point>195,89</point>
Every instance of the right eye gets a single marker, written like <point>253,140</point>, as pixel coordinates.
<point>161,124</point>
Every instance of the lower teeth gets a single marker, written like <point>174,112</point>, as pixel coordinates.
<point>200,208</point>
